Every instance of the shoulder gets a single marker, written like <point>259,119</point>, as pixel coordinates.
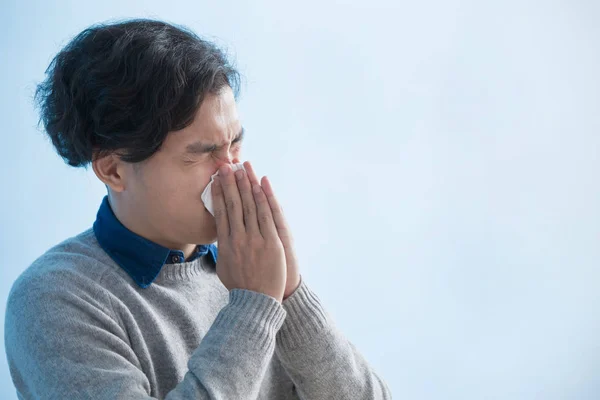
<point>59,312</point>
<point>75,266</point>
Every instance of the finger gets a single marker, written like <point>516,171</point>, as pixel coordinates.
<point>219,208</point>
<point>233,201</point>
<point>276,210</point>
<point>251,174</point>
<point>265,217</point>
<point>248,203</point>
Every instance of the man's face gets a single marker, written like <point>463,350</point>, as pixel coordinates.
<point>164,194</point>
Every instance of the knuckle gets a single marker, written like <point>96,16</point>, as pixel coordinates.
<point>219,213</point>
<point>249,209</point>
<point>244,184</point>
<point>260,196</point>
<point>230,204</point>
<point>264,218</point>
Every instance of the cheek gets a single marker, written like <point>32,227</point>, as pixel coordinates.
<point>173,185</point>
<point>197,178</point>
<point>165,180</point>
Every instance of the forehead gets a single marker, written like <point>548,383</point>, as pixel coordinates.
<point>215,122</point>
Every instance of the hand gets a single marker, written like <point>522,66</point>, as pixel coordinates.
<point>251,255</point>
<point>283,231</point>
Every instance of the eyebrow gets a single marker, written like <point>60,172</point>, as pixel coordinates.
<point>201,147</point>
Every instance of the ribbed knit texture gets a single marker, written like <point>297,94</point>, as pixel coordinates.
<point>78,327</point>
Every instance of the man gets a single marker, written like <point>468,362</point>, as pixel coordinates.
<point>139,306</point>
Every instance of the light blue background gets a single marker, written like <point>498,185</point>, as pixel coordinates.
<point>437,161</point>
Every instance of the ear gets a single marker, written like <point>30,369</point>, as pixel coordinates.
<point>110,170</point>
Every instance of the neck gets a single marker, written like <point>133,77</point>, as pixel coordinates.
<point>129,219</point>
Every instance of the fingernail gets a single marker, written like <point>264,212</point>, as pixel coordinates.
<point>224,170</point>
<point>239,174</point>
<point>256,188</point>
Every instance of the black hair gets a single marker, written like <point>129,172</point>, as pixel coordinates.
<point>121,87</point>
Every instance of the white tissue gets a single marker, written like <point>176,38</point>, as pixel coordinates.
<point>207,194</point>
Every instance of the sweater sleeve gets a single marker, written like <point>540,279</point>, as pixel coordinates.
<point>65,343</point>
<point>321,362</point>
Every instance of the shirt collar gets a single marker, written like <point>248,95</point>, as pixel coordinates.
<point>141,258</point>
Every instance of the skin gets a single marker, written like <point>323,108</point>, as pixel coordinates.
<point>160,198</point>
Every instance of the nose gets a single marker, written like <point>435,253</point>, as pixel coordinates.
<point>227,160</point>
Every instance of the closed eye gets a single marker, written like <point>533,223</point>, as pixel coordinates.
<point>203,148</point>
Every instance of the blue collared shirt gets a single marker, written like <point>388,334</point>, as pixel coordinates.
<point>141,258</point>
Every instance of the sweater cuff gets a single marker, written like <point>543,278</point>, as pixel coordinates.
<point>255,315</point>
<point>306,318</point>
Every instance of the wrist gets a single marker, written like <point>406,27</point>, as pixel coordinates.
<point>293,288</point>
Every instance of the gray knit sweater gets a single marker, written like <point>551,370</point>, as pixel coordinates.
<point>78,327</point>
